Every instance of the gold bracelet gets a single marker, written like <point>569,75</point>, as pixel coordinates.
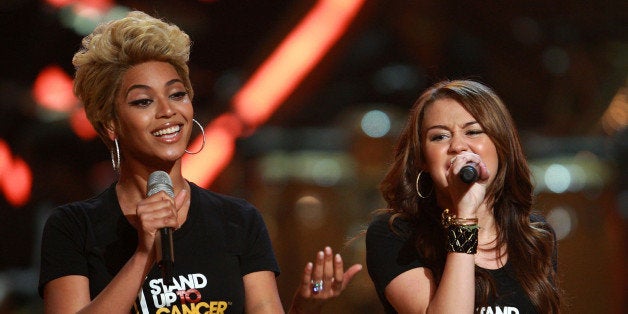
<point>452,220</point>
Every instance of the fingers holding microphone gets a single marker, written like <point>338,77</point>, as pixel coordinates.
<point>469,167</point>
<point>157,211</point>
<point>154,213</point>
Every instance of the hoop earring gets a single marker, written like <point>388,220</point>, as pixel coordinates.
<point>203,132</point>
<point>418,190</point>
<point>115,158</point>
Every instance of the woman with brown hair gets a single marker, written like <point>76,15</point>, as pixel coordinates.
<point>451,243</point>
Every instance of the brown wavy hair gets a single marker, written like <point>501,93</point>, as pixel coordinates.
<point>530,245</point>
<point>112,49</point>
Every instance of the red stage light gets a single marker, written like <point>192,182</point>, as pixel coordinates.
<point>220,135</point>
<point>271,84</point>
<point>16,177</point>
<point>59,3</point>
<point>53,89</point>
<point>17,181</point>
<point>81,125</point>
<point>295,57</point>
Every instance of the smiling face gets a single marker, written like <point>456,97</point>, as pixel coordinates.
<point>153,115</point>
<point>448,130</point>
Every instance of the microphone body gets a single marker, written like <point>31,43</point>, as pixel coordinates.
<point>160,181</point>
<point>469,173</point>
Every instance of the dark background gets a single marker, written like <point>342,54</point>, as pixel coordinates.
<point>558,65</point>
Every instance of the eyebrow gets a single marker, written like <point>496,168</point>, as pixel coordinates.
<point>141,86</point>
<point>440,126</point>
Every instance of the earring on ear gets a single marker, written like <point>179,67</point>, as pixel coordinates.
<point>203,132</point>
<point>418,187</point>
<point>115,157</point>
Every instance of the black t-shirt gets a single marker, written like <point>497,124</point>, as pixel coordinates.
<point>389,254</point>
<point>223,239</point>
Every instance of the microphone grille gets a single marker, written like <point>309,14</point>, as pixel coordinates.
<point>159,181</point>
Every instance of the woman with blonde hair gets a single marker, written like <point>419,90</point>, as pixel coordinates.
<point>100,256</point>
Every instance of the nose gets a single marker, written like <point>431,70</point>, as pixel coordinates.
<point>458,144</point>
<point>164,108</point>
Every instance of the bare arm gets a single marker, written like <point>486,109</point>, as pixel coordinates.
<point>262,296</point>
<point>456,292</point>
<point>411,291</point>
<point>70,294</point>
<point>415,291</point>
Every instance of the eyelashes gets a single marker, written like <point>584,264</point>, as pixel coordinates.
<point>445,135</point>
<point>145,102</point>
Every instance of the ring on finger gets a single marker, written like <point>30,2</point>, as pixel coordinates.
<point>317,286</point>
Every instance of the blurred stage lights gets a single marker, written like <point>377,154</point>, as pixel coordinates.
<point>563,220</point>
<point>569,174</point>
<point>310,212</point>
<point>557,178</point>
<point>375,123</point>
<point>615,118</point>
<point>16,177</point>
<point>83,16</point>
<point>323,169</point>
<point>52,90</point>
<point>326,22</point>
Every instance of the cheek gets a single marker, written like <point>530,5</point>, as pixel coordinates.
<point>433,155</point>
<point>491,159</point>
<point>187,109</point>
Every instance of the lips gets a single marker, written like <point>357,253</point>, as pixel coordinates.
<point>168,131</point>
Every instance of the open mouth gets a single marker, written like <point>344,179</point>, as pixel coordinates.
<point>168,131</point>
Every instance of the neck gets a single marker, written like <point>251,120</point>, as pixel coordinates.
<point>487,234</point>
<point>486,221</point>
<point>132,181</point>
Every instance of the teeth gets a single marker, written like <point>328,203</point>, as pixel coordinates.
<point>170,130</point>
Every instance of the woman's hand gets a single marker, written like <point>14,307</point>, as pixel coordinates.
<point>467,197</point>
<point>325,279</point>
<point>155,212</point>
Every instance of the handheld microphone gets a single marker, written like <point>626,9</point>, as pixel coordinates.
<point>469,173</point>
<point>160,181</point>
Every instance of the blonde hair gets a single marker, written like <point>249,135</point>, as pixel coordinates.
<point>114,47</point>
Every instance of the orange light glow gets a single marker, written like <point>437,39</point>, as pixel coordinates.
<point>220,135</point>
<point>81,126</point>
<point>16,178</point>
<point>88,7</point>
<point>295,57</point>
<point>53,89</point>
<point>5,157</point>
<point>59,3</point>
<point>615,118</point>
<point>270,85</point>
<point>16,183</point>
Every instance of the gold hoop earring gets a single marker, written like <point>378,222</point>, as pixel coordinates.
<point>418,189</point>
<point>115,158</point>
<point>203,132</point>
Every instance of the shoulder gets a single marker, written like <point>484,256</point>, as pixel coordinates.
<point>538,220</point>
<point>230,207</point>
<point>386,225</point>
<point>79,212</point>
<point>390,241</point>
<point>221,200</point>
<point>537,217</point>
